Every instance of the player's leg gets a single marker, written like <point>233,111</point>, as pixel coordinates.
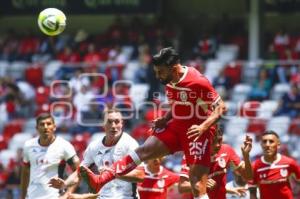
<point>156,146</point>
<point>197,155</point>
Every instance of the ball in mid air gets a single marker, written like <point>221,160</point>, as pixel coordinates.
<point>52,21</point>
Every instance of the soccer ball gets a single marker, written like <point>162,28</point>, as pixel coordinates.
<point>52,21</point>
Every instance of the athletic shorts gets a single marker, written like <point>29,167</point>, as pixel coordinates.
<point>175,138</point>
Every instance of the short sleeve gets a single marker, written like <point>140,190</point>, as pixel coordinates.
<point>234,159</point>
<point>295,169</point>
<point>69,150</point>
<point>87,157</point>
<point>172,178</point>
<point>132,144</point>
<point>205,90</point>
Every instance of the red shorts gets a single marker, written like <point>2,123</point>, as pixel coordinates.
<point>175,138</point>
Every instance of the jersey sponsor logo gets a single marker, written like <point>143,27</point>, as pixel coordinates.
<point>161,183</point>
<point>197,149</point>
<point>183,96</point>
<point>283,172</point>
<point>221,162</point>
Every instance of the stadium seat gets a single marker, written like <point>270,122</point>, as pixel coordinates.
<point>50,70</point>
<point>232,108</point>
<point>267,109</point>
<point>257,126</point>
<point>235,126</point>
<point>16,69</point>
<point>3,143</point>
<point>18,140</point>
<point>138,93</point>
<point>295,127</point>
<point>227,53</point>
<point>279,90</point>
<point>6,156</point>
<point>249,109</point>
<point>240,92</point>
<point>4,65</point>
<point>234,71</point>
<point>42,95</point>
<point>281,126</point>
<point>12,128</point>
<point>29,125</point>
<point>96,136</point>
<point>212,69</point>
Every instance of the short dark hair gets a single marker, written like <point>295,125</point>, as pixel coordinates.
<point>43,116</point>
<point>166,57</point>
<point>270,132</point>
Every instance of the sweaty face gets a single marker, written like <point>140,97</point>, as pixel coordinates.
<point>46,128</point>
<point>270,145</point>
<point>163,74</point>
<point>217,143</point>
<point>113,125</point>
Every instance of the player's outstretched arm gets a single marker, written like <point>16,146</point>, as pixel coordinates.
<point>74,163</point>
<point>24,180</point>
<point>83,196</point>
<point>136,175</point>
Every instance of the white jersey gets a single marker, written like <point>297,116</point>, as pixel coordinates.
<point>103,156</point>
<point>44,164</point>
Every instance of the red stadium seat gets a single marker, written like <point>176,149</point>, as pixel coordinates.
<point>257,126</point>
<point>42,95</point>
<point>295,126</point>
<point>34,75</point>
<point>13,127</point>
<point>249,109</point>
<point>3,143</point>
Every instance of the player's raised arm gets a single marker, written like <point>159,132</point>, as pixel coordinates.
<point>245,168</point>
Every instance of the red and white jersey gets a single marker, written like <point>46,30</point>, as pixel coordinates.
<point>104,156</point>
<point>273,178</point>
<point>155,186</point>
<point>44,164</point>
<point>191,98</point>
<point>225,157</point>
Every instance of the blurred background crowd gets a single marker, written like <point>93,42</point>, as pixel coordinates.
<point>74,74</point>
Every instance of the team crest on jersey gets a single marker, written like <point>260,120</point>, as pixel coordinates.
<point>161,183</point>
<point>183,96</point>
<point>222,162</point>
<point>283,172</point>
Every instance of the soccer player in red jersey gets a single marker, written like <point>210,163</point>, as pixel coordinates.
<point>157,180</point>
<point>194,107</point>
<point>223,156</point>
<point>272,171</point>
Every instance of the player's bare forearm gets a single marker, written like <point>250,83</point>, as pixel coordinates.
<point>83,196</point>
<point>168,115</point>
<point>184,185</point>
<point>219,110</point>
<point>246,168</point>
<point>134,176</point>
<point>24,180</point>
<point>74,178</point>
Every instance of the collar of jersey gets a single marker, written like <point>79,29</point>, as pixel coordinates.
<point>278,158</point>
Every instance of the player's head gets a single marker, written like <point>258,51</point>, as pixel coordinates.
<point>113,123</point>
<point>164,63</point>
<point>45,125</point>
<point>270,143</point>
<point>154,164</point>
<point>217,139</point>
